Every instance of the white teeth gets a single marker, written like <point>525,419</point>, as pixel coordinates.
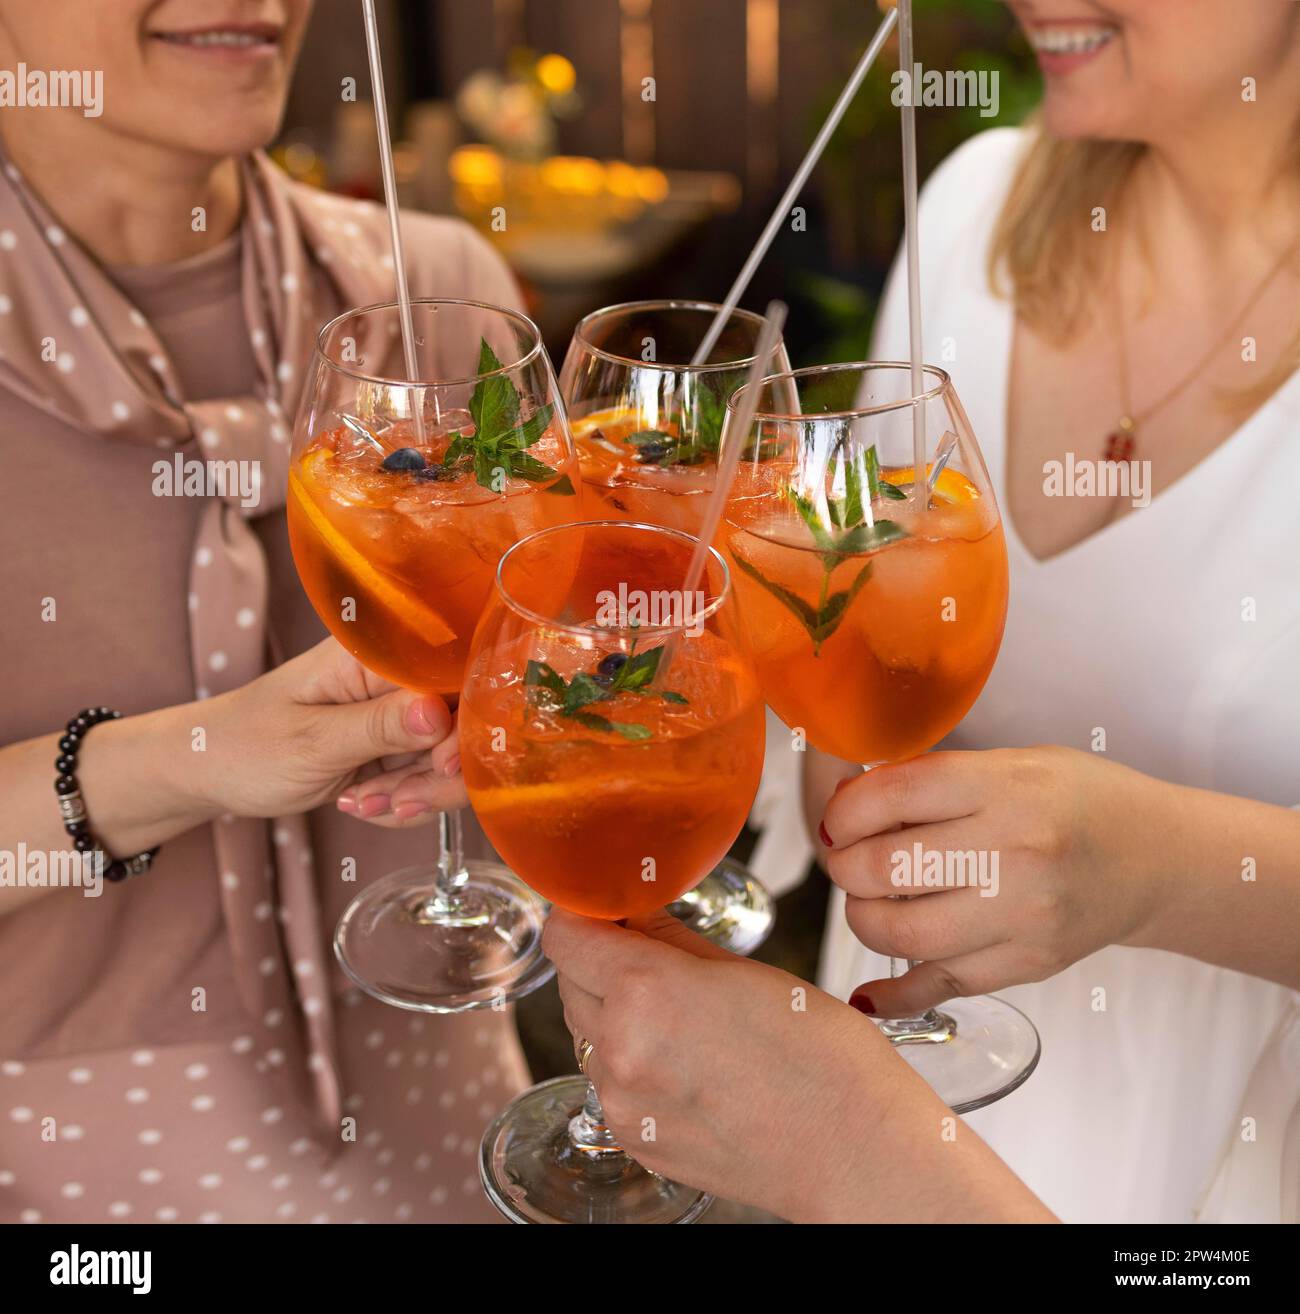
<point>215,39</point>
<point>1069,41</point>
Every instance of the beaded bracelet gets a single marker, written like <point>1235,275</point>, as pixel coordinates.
<point>73,809</point>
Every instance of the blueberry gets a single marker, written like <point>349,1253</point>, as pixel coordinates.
<point>610,666</point>
<point>648,453</point>
<point>405,458</point>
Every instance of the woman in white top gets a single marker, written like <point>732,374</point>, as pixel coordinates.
<point>1143,235</point>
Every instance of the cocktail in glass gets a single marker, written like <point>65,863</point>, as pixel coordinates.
<point>402,499</point>
<point>612,756</point>
<point>875,613</point>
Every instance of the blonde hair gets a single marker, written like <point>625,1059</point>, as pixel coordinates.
<point>1043,255</point>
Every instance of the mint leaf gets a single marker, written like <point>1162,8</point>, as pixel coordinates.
<point>563,485</point>
<point>649,436</point>
<point>669,696</point>
<point>821,622</point>
<point>531,429</point>
<point>527,467</point>
<point>628,729</point>
<point>582,691</point>
<point>494,404</point>
<point>496,446</point>
<point>637,671</point>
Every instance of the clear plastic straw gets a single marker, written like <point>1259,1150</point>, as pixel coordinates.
<point>791,194</point>
<point>729,457</point>
<point>390,202</point>
<point>920,484</point>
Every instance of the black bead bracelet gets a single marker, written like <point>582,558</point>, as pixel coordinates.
<point>73,809</point>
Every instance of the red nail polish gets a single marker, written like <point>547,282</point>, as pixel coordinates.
<point>826,839</point>
<point>862,1003</point>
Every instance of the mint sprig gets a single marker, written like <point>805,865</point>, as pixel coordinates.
<point>497,447</point>
<point>573,698</point>
<point>842,533</point>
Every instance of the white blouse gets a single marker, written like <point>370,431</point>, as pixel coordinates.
<point>1181,1100</point>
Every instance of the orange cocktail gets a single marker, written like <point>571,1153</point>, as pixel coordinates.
<point>611,764</point>
<point>876,654</point>
<point>646,421</point>
<point>874,609</point>
<point>399,562</point>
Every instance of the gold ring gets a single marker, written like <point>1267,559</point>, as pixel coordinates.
<point>585,1049</point>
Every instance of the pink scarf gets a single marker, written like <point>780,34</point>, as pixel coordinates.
<point>73,345</point>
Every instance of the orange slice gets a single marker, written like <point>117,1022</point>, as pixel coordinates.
<point>951,485</point>
<point>412,611</point>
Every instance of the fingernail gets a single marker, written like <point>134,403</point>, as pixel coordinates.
<point>862,1002</point>
<point>374,806</point>
<point>345,803</point>
<point>452,766</point>
<point>405,811</point>
<point>422,717</point>
<point>826,839</point>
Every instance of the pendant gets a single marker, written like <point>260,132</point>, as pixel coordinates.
<point>1120,444</point>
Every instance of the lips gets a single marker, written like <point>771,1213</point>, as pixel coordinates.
<point>1070,40</point>
<point>249,37</point>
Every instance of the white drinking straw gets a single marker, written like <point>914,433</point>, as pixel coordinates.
<point>791,193</point>
<point>729,458</point>
<point>390,201</point>
<point>920,485</point>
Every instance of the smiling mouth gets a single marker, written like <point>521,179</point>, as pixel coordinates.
<point>1068,40</point>
<point>226,38</point>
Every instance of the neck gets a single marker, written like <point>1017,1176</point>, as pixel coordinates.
<point>128,202</point>
<point>1231,182</point>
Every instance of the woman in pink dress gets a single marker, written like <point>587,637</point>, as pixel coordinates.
<point>182,1047</point>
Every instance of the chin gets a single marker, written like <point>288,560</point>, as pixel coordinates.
<point>223,134</point>
<point>1074,118</point>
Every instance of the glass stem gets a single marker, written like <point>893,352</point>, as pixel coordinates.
<point>930,1025</point>
<point>449,903</point>
<point>589,1134</point>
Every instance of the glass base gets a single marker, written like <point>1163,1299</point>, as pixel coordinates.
<point>533,1174</point>
<point>730,906</point>
<point>976,1051</point>
<point>400,944</point>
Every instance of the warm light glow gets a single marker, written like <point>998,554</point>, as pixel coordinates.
<point>556,74</point>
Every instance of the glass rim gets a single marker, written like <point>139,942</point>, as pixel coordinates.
<point>856,412</point>
<point>669,303</point>
<point>586,631</point>
<point>505,311</point>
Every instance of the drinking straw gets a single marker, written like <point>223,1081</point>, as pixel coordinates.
<point>920,486</point>
<point>390,201</point>
<point>790,194</point>
<point>729,457</point>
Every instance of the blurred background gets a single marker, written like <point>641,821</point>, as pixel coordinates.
<point>620,149</point>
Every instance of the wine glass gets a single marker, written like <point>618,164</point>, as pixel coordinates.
<point>612,756</point>
<point>402,498</point>
<point>647,425</point>
<point>875,610</point>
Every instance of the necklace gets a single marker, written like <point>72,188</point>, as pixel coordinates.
<point>1122,441</point>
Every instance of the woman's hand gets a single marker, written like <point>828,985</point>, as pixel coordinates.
<point>742,1080</point>
<point>1075,853</point>
<point>322,727</point>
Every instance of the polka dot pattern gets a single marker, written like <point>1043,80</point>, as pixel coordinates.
<point>238,1129</point>
<point>237,1152</point>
